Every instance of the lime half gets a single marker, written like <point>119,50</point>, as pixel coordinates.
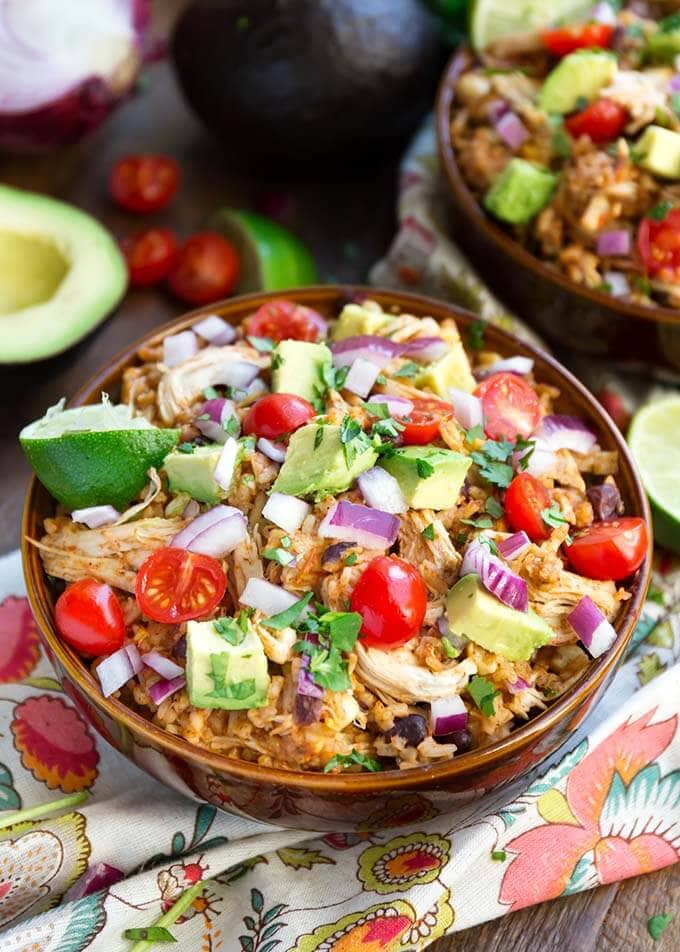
<point>654,439</point>
<point>491,19</point>
<point>94,455</point>
<point>272,257</point>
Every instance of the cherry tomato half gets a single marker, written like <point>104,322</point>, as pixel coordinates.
<point>285,320</point>
<point>149,255</point>
<point>207,268</point>
<point>89,617</point>
<point>175,585</point>
<point>659,245</point>
<point>609,550</point>
<point>277,414</point>
<point>602,121</point>
<point>525,500</point>
<point>144,183</point>
<point>391,598</point>
<point>510,406</point>
<point>422,423</point>
<point>566,39</point>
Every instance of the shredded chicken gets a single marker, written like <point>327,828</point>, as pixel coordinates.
<point>437,559</point>
<point>397,674</point>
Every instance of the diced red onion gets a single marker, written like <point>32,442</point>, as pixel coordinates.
<point>335,552</point>
<point>191,510</point>
<point>467,408</point>
<point>382,491</point>
<point>96,877</point>
<point>254,389</point>
<point>134,657</point>
<point>268,598</point>
<point>592,627</point>
<point>235,373</point>
<point>205,521</point>
<point>219,410</point>
<point>179,347</point>
<point>162,665</point>
<point>512,130</point>
<point>448,715</point>
<point>495,576</point>
<point>512,547</point>
<point>305,682</point>
<point>560,432</point>
<point>397,406</point>
<point>274,451</point>
<point>379,350</point>
<point>163,689</point>
<point>540,460</point>
<point>114,671</point>
<point>286,512</point>
<point>226,464</point>
<point>361,377</point>
<point>674,82</point>
<point>222,538</point>
<point>425,348</point>
<point>228,336</point>
<point>603,13</point>
<point>511,365</point>
<point>618,283</point>
<point>496,108</point>
<point>514,687</point>
<point>95,516</point>
<point>212,327</point>
<point>371,528</point>
<point>613,242</point>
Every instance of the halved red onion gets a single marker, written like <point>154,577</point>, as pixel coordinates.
<point>179,347</point>
<point>361,377</point>
<point>205,521</point>
<point>371,528</point>
<point>425,348</point>
<point>162,665</point>
<point>560,432</point>
<point>286,512</point>
<point>381,490</point>
<point>613,242</point>
<point>592,627</point>
<point>212,326</point>
<point>163,689</point>
<point>134,657</point>
<point>379,350</point>
<point>511,365</point>
<point>235,373</point>
<point>266,597</point>
<point>512,130</point>
<point>274,451</point>
<point>219,410</point>
<point>397,406</point>
<point>114,671</point>
<point>495,576</point>
<point>95,516</point>
<point>519,684</point>
<point>467,408</point>
<point>223,473</point>
<point>448,715</point>
<point>619,285</point>
<point>512,547</point>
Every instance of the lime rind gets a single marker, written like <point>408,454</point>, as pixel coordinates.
<point>492,19</point>
<point>94,417</point>
<point>654,442</point>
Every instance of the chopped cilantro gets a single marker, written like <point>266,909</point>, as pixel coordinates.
<point>277,359</point>
<point>343,628</point>
<point>354,440</point>
<point>494,508</point>
<point>247,444</point>
<point>409,369</point>
<point>318,436</point>
<point>238,690</point>
<point>604,286</point>
<point>483,693</point>
<point>448,649</point>
<point>670,23</point>
<point>642,284</point>
<point>265,345</point>
<point>351,558</point>
<point>232,426</point>
<point>474,433</point>
<point>204,416</point>
<point>493,471</point>
<point>231,630</point>
<point>476,335</point>
<point>649,666</point>
<point>529,446</point>
<point>489,543</point>
<point>428,532</point>
<point>483,522</point>
<point>381,410</point>
<point>286,618</point>
<point>327,666</point>
<point>659,212</point>
<point>381,380</point>
<point>554,517</point>
<point>493,457</point>
<point>335,633</point>
<point>149,934</point>
<point>560,141</point>
<point>424,468</point>
<point>279,555</point>
<point>499,855</point>
<point>210,393</point>
<point>658,924</point>
<point>389,428</point>
<point>349,760</point>
<point>185,448</point>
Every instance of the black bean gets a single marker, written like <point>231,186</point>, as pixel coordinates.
<point>605,500</point>
<point>413,729</point>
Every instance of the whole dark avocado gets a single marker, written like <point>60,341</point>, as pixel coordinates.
<point>305,79</point>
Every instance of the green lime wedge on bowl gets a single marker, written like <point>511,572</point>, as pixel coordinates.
<point>94,455</point>
<point>655,444</point>
<point>272,257</point>
<point>491,19</point>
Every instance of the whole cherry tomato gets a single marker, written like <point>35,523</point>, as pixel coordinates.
<point>613,549</point>
<point>510,406</point>
<point>565,39</point>
<point>658,242</point>
<point>602,120</point>
<point>175,585</point>
<point>277,414</point>
<point>144,183</point>
<point>89,617</point>
<point>525,500</point>
<point>207,268</point>
<point>149,255</point>
<point>285,320</point>
<point>391,598</point>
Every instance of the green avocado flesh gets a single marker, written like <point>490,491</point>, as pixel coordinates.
<point>60,274</point>
<point>299,368</point>
<point>225,675</point>
<point>484,619</point>
<point>580,75</point>
<point>520,192</point>
<point>316,465</point>
<point>428,476</point>
<point>192,473</point>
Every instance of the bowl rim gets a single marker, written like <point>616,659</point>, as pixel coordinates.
<point>416,778</point>
<point>461,60</point>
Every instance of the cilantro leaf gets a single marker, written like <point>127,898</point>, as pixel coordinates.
<point>409,369</point>
<point>231,426</point>
<point>659,212</point>
<point>343,628</point>
<point>448,648</point>
<point>428,532</point>
<point>210,393</point>
<point>354,440</point>
<point>277,359</point>
<point>494,508</point>
<point>658,924</point>
<point>329,668</point>
<point>348,760</point>
<point>278,555</point>
<point>424,468</point>
<point>236,690</point>
<point>499,474</point>
<point>476,335</point>
<point>285,619</point>
<point>483,693</point>
<point>318,436</point>
<point>389,428</point>
<point>351,559</point>
<point>380,410</point>
<point>474,433</point>
<point>554,517</point>
<point>231,630</point>
<point>489,543</point>
<point>185,448</point>
<point>482,522</point>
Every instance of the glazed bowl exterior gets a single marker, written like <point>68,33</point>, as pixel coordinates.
<point>316,801</point>
<point>567,314</point>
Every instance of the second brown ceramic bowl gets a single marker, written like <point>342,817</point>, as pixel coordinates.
<point>316,801</point>
<point>566,313</point>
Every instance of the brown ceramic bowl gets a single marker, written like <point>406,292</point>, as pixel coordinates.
<point>567,313</point>
<point>314,800</point>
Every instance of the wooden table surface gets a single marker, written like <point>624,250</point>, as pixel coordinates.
<point>348,223</point>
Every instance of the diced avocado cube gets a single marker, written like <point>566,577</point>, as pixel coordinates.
<point>316,463</point>
<point>356,319</point>
<point>451,370</point>
<point>484,619</point>
<point>193,472</point>
<point>580,75</point>
<point>298,368</point>
<point>429,477</point>
<point>658,151</point>
<point>222,674</point>
<point>520,191</point>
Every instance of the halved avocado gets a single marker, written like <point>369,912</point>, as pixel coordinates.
<point>60,274</point>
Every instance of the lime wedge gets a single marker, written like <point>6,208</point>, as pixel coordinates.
<point>272,257</point>
<point>491,19</point>
<point>94,455</point>
<point>654,442</point>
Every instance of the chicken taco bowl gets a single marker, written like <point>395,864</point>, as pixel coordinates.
<point>342,597</point>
